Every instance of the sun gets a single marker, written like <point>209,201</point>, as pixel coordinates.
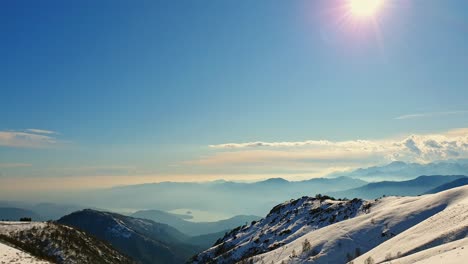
<point>364,8</point>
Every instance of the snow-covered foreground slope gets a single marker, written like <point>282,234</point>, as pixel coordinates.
<point>57,243</point>
<point>410,224</point>
<point>455,252</point>
<point>451,224</point>
<point>405,229</point>
<point>12,255</point>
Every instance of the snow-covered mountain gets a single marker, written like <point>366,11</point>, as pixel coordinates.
<point>44,242</point>
<point>284,224</point>
<point>308,230</point>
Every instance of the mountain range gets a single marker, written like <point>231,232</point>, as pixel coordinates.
<point>230,198</point>
<point>318,229</point>
<point>417,186</point>
<point>253,198</point>
<point>399,170</point>
<point>223,199</point>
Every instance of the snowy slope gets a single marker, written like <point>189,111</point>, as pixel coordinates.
<point>285,223</point>
<point>448,225</point>
<point>405,229</point>
<point>450,253</point>
<point>410,224</point>
<point>12,255</point>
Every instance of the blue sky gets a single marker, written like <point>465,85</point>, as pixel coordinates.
<point>141,89</point>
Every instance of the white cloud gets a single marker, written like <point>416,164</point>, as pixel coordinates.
<point>40,131</point>
<point>431,114</point>
<point>29,139</point>
<point>273,144</point>
<point>347,154</point>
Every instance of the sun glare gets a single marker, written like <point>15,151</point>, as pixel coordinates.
<point>365,8</point>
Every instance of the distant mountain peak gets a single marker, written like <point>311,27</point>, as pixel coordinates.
<point>397,163</point>
<point>275,180</point>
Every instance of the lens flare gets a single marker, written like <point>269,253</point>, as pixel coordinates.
<point>364,8</point>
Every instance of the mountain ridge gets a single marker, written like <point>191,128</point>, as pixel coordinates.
<point>59,244</point>
<point>143,240</point>
<point>449,185</point>
<point>416,186</point>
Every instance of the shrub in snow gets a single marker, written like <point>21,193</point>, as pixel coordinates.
<point>369,260</point>
<point>306,246</point>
